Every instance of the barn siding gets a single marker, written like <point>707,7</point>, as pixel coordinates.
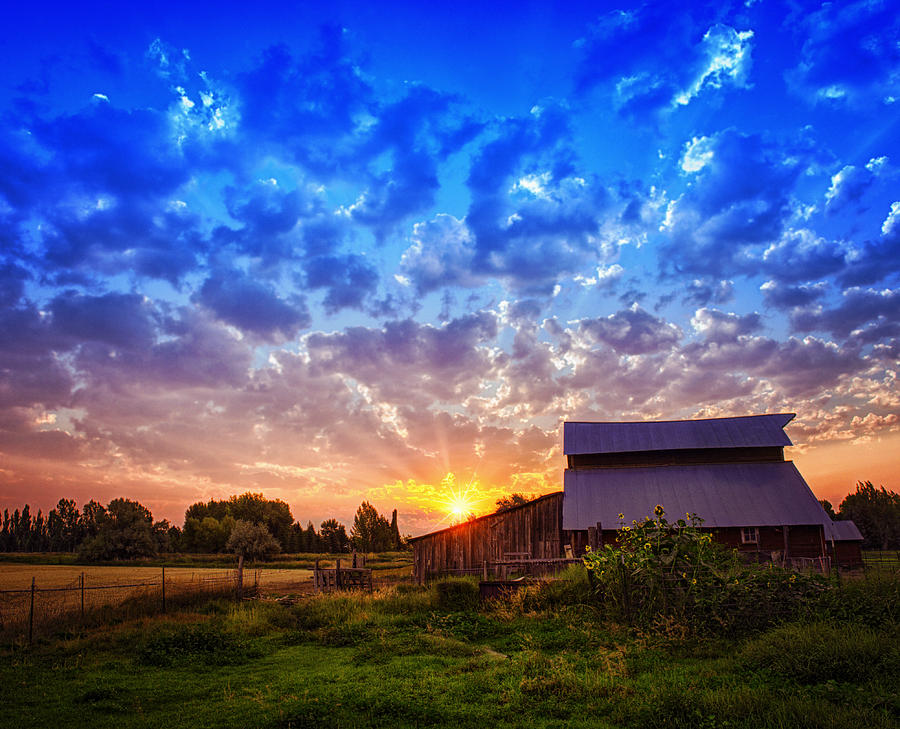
<point>534,528</point>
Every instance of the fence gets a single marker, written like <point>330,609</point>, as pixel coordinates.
<point>36,610</point>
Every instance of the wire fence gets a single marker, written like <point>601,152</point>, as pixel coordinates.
<point>42,610</point>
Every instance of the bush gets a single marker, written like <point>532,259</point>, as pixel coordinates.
<point>657,567</point>
<point>457,594</point>
<point>819,652</point>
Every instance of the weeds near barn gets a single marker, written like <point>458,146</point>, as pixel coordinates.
<point>551,655</point>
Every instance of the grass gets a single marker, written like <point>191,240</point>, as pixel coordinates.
<point>414,657</point>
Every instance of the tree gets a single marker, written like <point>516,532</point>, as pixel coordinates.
<point>371,531</point>
<point>829,509</point>
<point>252,541</point>
<point>334,536</point>
<point>515,499</point>
<point>876,512</point>
<point>124,532</point>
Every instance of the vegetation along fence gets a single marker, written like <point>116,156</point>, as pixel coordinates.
<point>43,609</point>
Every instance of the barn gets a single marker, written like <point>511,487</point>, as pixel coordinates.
<point>729,471</point>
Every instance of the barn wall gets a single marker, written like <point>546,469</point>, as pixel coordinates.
<point>534,528</point>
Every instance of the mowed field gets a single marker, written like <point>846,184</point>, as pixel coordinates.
<point>15,576</point>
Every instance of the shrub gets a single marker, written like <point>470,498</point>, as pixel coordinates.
<point>657,567</point>
<point>457,594</point>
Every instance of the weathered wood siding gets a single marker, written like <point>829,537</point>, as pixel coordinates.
<point>534,529</point>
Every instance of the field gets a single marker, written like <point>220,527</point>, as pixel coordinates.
<point>416,657</point>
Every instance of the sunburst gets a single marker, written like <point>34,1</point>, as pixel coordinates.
<point>458,501</point>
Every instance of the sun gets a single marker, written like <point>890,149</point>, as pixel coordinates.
<point>457,501</point>
<point>460,507</point>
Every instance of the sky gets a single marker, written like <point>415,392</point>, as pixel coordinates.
<point>347,251</point>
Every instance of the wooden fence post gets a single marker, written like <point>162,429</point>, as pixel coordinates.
<point>164,589</point>
<point>31,614</point>
<point>337,575</point>
<point>82,595</point>
<point>240,578</point>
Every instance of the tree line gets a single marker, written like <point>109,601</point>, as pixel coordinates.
<point>125,529</point>
<point>876,513</point>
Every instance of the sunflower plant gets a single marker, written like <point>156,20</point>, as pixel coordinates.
<point>656,566</point>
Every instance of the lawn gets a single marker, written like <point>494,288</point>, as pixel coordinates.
<point>416,657</point>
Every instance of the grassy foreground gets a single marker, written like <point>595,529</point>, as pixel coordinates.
<point>410,657</point>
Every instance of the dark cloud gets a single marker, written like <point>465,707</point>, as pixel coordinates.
<point>734,216</point>
<point>857,308</point>
<point>117,320</point>
<point>786,296</point>
<point>252,306</point>
<point>632,331</point>
<point>348,280</point>
<point>849,53</point>
<point>658,56</point>
<point>719,326</point>
<point>408,361</point>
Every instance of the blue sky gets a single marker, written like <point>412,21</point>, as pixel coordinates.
<point>335,252</point>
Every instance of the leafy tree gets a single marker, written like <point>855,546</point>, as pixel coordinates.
<point>876,512</point>
<point>515,499</point>
<point>371,531</point>
<point>334,536</point>
<point>92,514</point>
<point>252,541</point>
<point>124,532</point>
<point>256,508</point>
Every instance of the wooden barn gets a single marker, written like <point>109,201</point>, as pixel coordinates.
<point>729,471</point>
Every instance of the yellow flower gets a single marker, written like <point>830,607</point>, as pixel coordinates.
<point>684,574</point>
<point>659,511</point>
<point>694,581</point>
<point>621,516</point>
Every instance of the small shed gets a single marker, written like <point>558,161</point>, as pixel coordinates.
<point>844,544</point>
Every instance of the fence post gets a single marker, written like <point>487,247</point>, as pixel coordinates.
<point>164,589</point>
<point>337,575</point>
<point>82,595</point>
<point>31,614</point>
<point>240,578</point>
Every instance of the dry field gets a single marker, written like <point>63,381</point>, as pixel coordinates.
<point>18,576</point>
<point>59,599</point>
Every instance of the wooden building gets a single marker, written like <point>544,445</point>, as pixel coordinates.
<point>530,531</point>
<point>731,472</point>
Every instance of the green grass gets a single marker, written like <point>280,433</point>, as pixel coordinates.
<point>406,657</point>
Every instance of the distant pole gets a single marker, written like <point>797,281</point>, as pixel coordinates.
<point>164,588</point>
<point>82,595</point>
<point>31,614</point>
<point>240,577</point>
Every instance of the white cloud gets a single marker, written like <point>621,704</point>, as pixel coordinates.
<point>727,61</point>
<point>892,221</point>
<point>697,154</point>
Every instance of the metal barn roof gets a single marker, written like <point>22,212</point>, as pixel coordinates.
<point>843,531</point>
<point>723,495</point>
<point>752,431</point>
